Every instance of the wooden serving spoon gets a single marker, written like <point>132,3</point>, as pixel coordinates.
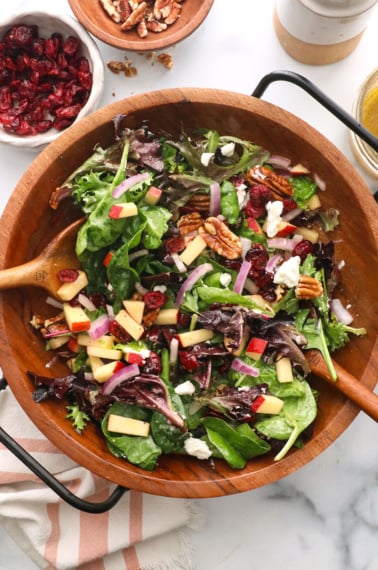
<point>358,393</point>
<point>60,254</point>
<point>43,270</point>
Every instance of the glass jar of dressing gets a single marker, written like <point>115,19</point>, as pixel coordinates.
<point>321,31</point>
<point>365,110</point>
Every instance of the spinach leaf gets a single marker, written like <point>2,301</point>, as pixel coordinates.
<point>156,218</point>
<point>235,444</point>
<point>304,188</point>
<point>141,451</point>
<point>296,415</point>
<point>229,202</point>
<point>214,295</point>
<point>168,437</point>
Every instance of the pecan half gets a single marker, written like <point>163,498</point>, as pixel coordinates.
<point>172,14</point>
<point>135,17</point>
<point>112,10</point>
<point>279,185</point>
<point>308,288</point>
<point>198,202</point>
<point>220,238</point>
<point>189,223</point>
<point>166,59</point>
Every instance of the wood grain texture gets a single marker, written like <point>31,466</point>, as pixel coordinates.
<point>93,17</point>
<point>28,224</point>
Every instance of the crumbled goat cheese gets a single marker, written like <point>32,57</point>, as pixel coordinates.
<point>197,448</point>
<point>274,211</point>
<point>288,273</point>
<point>225,279</point>
<point>228,149</point>
<point>242,197</point>
<point>185,389</point>
<point>161,288</point>
<point>206,157</point>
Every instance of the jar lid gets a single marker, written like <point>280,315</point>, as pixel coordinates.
<point>364,153</point>
<point>339,8</point>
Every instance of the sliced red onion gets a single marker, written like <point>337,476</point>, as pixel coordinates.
<point>215,199</point>
<point>192,278</point>
<point>99,327</point>
<point>179,264</point>
<point>118,377</point>
<point>286,244</point>
<point>128,183</point>
<point>273,262</point>
<point>57,333</point>
<point>342,314</point>
<point>140,289</point>
<point>86,302</point>
<point>291,214</point>
<point>250,286</point>
<point>54,303</point>
<point>239,366</point>
<point>246,245</point>
<point>319,182</point>
<point>138,253</point>
<point>280,243</point>
<point>242,276</point>
<point>110,311</point>
<point>173,350</point>
<point>280,161</point>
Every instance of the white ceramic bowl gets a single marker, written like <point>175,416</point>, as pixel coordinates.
<point>67,26</point>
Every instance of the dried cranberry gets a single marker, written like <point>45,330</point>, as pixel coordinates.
<point>154,300</point>
<point>258,257</point>
<point>98,299</point>
<point>303,248</point>
<point>5,99</point>
<point>68,275</point>
<point>152,364</point>
<point>71,46</point>
<point>188,360</point>
<point>264,281</point>
<point>21,35</point>
<point>119,332</point>
<point>259,196</point>
<point>174,244</point>
<point>289,204</point>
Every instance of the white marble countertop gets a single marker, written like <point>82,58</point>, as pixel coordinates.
<point>326,514</point>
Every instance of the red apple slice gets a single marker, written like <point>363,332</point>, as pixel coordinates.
<point>256,347</point>
<point>124,210</point>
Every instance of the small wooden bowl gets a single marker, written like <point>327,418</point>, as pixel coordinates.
<point>93,17</point>
<point>30,223</point>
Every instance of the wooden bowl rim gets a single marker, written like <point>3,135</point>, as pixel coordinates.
<point>70,443</point>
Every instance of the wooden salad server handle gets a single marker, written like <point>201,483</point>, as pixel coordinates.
<point>42,271</point>
<point>346,383</point>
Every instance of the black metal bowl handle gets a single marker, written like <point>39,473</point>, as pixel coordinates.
<point>322,98</point>
<point>59,488</point>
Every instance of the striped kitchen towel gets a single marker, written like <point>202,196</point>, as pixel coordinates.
<point>141,532</point>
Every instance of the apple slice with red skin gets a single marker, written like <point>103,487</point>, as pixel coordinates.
<point>124,210</point>
<point>256,347</point>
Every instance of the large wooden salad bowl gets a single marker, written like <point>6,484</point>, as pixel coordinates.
<point>28,224</point>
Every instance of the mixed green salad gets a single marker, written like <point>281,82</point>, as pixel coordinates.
<point>206,274</point>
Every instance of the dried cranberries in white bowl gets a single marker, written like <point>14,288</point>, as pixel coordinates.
<point>51,75</point>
